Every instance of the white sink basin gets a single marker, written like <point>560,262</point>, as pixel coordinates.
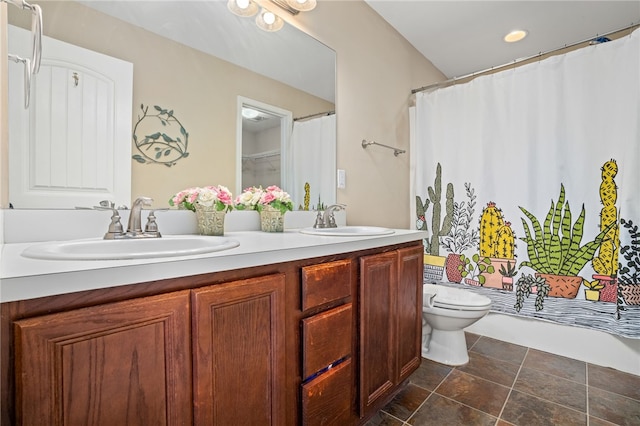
<point>144,248</point>
<point>348,231</point>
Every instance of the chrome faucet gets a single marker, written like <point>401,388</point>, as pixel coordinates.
<point>326,218</point>
<point>134,228</point>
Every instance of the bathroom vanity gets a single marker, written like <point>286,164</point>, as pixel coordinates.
<point>285,329</point>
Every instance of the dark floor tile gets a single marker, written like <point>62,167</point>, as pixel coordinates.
<point>491,369</point>
<point>554,389</point>
<point>442,411</point>
<point>406,401</point>
<point>430,374</point>
<point>383,419</point>
<point>500,350</point>
<point>503,423</point>
<point>527,410</point>
<point>475,392</point>
<point>471,339</point>
<point>594,421</point>
<point>614,381</point>
<point>557,365</point>
<point>613,407</point>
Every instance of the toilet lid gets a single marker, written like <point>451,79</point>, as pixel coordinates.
<point>453,298</point>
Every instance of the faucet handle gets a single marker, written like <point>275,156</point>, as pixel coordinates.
<point>115,227</point>
<point>152,227</point>
<point>319,220</point>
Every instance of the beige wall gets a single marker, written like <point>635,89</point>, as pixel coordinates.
<point>376,70</point>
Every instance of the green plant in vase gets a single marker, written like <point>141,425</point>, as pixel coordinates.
<point>629,271</point>
<point>460,236</point>
<point>555,249</point>
<point>434,264</point>
<point>507,272</point>
<point>474,268</point>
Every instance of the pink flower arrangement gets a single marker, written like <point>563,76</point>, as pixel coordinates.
<point>256,198</point>
<point>208,196</point>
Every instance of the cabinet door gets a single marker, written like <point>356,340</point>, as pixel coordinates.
<point>125,363</point>
<point>239,364</point>
<point>409,310</point>
<point>378,275</point>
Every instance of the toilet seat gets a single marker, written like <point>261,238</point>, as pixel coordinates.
<point>456,299</point>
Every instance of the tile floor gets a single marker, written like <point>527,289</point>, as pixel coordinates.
<point>505,384</point>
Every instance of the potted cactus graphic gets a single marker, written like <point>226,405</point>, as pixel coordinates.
<point>460,237</point>
<point>433,262</point>
<point>555,250</point>
<point>508,273</point>
<point>497,243</point>
<point>605,264</point>
<point>629,271</point>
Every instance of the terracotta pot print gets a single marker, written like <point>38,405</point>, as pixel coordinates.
<point>494,280</point>
<point>453,274</point>
<point>630,293</point>
<point>507,283</point>
<point>610,291</point>
<point>562,286</point>
<point>472,282</point>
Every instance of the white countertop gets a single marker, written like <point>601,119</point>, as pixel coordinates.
<point>23,278</point>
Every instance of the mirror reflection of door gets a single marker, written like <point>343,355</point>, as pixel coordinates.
<point>263,139</point>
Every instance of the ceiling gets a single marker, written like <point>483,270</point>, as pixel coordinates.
<point>463,37</point>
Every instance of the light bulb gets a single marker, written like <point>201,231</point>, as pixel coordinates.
<point>269,21</point>
<point>269,18</point>
<point>242,4</point>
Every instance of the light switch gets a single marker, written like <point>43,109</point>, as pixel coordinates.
<point>342,179</point>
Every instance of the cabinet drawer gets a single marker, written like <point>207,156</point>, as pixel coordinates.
<point>325,283</point>
<point>326,338</point>
<point>326,400</point>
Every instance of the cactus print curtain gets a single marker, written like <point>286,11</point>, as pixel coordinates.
<point>528,181</point>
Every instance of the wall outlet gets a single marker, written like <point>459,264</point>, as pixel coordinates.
<point>342,179</point>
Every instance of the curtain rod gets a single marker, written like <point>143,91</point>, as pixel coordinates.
<point>516,61</point>
<point>315,115</point>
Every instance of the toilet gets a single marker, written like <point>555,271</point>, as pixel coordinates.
<point>445,313</point>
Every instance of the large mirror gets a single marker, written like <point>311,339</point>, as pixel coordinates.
<point>200,61</point>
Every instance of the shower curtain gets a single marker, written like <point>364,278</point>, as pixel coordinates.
<point>313,160</point>
<point>527,181</point>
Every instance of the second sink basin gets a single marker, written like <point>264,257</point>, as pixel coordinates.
<point>348,231</point>
<point>144,248</point>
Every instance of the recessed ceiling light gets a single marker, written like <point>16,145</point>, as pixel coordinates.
<point>514,36</point>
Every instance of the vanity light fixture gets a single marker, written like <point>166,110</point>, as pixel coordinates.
<point>515,35</point>
<point>302,5</point>
<point>269,21</point>
<point>244,8</point>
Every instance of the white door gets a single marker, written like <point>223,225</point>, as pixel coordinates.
<point>72,147</point>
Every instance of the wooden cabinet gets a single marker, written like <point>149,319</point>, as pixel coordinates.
<point>323,341</point>
<point>238,341</point>
<point>129,363</point>
<point>390,322</point>
<point>123,363</point>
